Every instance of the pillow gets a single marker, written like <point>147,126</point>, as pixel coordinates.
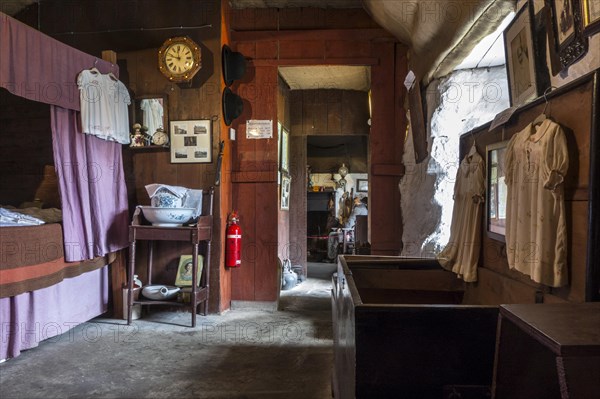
<point>47,192</point>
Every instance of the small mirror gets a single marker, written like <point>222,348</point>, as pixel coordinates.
<point>151,111</point>
<point>496,191</point>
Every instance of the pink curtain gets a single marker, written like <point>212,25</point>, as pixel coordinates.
<point>92,189</point>
<point>90,171</point>
<point>40,68</point>
<point>31,317</point>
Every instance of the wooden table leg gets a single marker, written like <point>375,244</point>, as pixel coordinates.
<point>130,268</point>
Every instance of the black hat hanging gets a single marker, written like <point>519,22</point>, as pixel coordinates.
<point>233,106</point>
<point>234,65</point>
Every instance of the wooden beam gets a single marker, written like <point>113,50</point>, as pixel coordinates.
<point>315,61</point>
<point>321,35</point>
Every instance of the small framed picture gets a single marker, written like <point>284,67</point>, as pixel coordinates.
<point>520,59</point>
<point>184,271</point>
<point>191,141</point>
<point>284,150</point>
<point>286,185</point>
<point>497,191</point>
<point>362,185</point>
<point>591,16</point>
<point>569,42</point>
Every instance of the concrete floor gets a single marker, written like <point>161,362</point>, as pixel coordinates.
<point>239,354</point>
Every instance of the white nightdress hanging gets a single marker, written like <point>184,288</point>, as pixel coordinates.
<point>104,106</point>
<point>537,161</point>
<point>461,254</point>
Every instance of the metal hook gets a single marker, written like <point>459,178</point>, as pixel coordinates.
<point>546,92</point>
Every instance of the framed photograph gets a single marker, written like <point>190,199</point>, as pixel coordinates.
<point>362,185</point>
<point>184,271</point>
<point>566,26</point>
<point>284,167</point>
<point>496,191</point>
<point>520,59</point>
<point>286,185</point>
<point>191,141</point>
<point>590,10</point>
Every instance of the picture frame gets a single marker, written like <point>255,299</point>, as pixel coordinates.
<point>362,185</point>
<point>590,10</point>
<point>286,186</point>
<point>284,166</point>
<point>569,42</point>
<point>496,198</point>
<point>521,59</point>
<point>184,271</point>
<point>191,141</point>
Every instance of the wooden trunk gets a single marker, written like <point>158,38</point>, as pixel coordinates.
<point>401,330</point>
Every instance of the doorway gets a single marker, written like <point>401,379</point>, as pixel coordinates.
<point>329,123</point>
<point>336,166</point>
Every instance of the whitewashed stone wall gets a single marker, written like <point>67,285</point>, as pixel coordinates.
<point>455,105</point>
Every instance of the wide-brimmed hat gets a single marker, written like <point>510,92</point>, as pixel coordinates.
<point>233,106</point>
<point>234,65</point>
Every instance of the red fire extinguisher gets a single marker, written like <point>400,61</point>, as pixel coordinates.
<point>233,246</point>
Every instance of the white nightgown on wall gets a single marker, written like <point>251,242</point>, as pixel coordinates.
<point>461,254</point>
<point>536,236</point>
<point>104,106</point>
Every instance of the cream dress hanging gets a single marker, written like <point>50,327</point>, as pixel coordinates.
<point>461,254</point>
<point>536,236</point>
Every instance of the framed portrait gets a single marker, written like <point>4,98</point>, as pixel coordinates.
<point>520,59</point>
<point>284,167</point>
<point>184,271</point>
<point>362,185</point>
<point>191,141</point>
<point>569,41</point>
<point>590,10</point>
<point>286,185</point>
<point>496,191</point>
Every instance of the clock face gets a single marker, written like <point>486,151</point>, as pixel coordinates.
<point>179,59</point>
<point>160,138</point>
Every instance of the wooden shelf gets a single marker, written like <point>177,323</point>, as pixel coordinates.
<point>150,148</point>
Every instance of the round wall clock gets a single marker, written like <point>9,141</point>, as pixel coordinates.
<point>179,59</point>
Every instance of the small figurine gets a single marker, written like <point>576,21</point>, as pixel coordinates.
<point>138,138</point>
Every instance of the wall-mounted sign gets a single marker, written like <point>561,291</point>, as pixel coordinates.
<point>259,129</point>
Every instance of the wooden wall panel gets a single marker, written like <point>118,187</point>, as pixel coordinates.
<point>266,50</point>
<point>304,49</point>
<point>257,199</point>
<point>341,49</point>
<point>386,148</point>
<point>266,286</point>
<point>254,19</point>
<point>243,277</point>
<point>302,18</point>
<point>329,112</point>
